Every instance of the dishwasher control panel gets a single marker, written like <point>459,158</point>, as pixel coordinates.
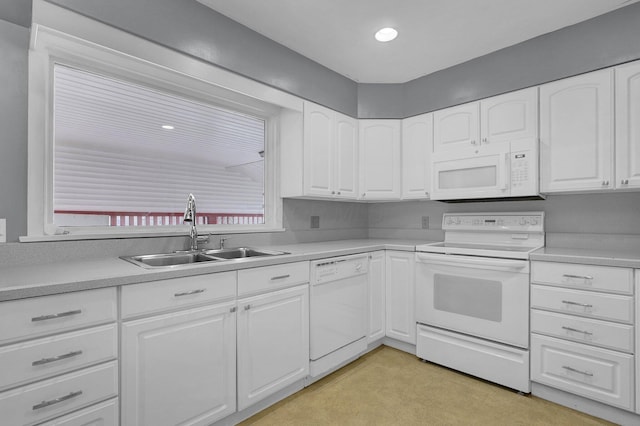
<point>337,268</point>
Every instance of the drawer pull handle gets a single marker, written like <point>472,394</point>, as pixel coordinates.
<point>187,293</point>
<point>56,358</point>
<point>584,305</point>
<point>573,370</point>
<point>54,316</point>
<point>580,277</point>
<point>44,404</point>
<point>280,277</point>
<point>586,333</point>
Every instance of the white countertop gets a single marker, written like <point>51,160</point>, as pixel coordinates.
<point>591,256</point>
<point>18,282</point>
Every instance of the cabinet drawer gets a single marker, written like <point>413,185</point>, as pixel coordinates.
<point>53,397</point>
<point>585,277</point>
<point>269,278</point>
<point>585,303</point>
<point>595,373</point>
<point>156,296</point>
<point>103,414</point>
<point>28,318</point>
<point>41,358</point>
<point>585,330</point>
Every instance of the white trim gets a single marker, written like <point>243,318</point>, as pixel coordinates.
<point>98,47</point>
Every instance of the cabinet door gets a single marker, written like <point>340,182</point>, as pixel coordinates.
<point>456,127</point>
<point>576,133</point>
<point>417,144</point>
<point>380,174</point>
<point>628,125</point>
<point>377,296</point>
<point>273,343</point>
<point>346,157</point>
<point>179,368</point>
<point>509,117</point>
<point>400,294</point>
<point>319,134</point>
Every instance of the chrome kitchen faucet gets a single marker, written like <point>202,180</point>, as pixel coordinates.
<point>190,216</point>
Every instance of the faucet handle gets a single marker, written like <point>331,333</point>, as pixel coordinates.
<point>222,240</point>
<point>203,238</point>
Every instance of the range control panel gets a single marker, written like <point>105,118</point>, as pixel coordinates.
<point>527,221</point>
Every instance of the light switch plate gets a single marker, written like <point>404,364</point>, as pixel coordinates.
<point>3,230</point>
<point>315,221</point>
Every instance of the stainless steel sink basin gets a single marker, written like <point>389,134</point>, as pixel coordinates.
<point>169,259</point>
<point>241,253</point>
<point>172,260</point>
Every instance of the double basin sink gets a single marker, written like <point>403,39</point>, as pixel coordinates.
<point>164,260</point>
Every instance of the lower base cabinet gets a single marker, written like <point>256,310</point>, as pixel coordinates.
<point>103,414</point>
<point>400,296</point>
<point>273,343</point>
<point>179,368</point>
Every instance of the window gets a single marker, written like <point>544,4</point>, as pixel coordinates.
<point>120,135</point>
<point>127,155</point>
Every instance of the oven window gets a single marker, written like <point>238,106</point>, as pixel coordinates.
<point>471,297</point>
<point>473,177</point>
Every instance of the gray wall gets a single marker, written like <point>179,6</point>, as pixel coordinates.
<point>190,27</point>
<point>14,42</point>
<point>597,43</point>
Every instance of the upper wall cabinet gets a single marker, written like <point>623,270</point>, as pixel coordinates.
<point>576,133</point>
<point>456,127</point>
<point>628,126</point>
<point>380,161</point>
<point>327,167</point>
<point>509,117</point>
<point>502,118</point>
<point>417,145</point>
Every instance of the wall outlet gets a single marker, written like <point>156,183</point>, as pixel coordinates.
<point>3,230</point>
<point>425,222</point>
<point>315,221</point>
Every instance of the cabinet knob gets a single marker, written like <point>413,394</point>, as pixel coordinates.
<point>625,181</point>
<point>232,310</point>
<point>605,183</point>
<point>473,142</point>
<point>338,192</point>
<point>485,140</point>
<point>333,192</point>
<point>247,307</point>
<point>364,194</point>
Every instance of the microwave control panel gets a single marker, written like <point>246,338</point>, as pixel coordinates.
<point>524,172</point>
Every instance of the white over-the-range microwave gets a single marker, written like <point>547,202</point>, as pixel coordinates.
<point>486,171</point>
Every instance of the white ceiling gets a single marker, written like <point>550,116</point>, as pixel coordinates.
<point>433,34</point>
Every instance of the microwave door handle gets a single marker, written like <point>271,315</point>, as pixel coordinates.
<point>502,185</point>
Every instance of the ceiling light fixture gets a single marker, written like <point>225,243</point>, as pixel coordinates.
<point>168,127</point>
<point>386,34</point>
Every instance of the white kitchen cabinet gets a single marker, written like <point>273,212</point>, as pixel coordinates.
<point>380,159</point>
<point>328,166</point>
<point>103,414</point>
<point>627,126</point>
<point>456,127</point>
<point>377,296</point>
<point>576,133</point>
<point>273,343</point>
<point>400,296</point>
<point>417,145</point>
<point>179,367</point>
<point>582,328</point>
<point>509,117</point>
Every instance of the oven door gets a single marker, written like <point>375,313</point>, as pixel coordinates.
<point>481,172</point>
<point>480,296</point>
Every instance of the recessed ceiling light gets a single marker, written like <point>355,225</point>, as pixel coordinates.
<point>168,127</point>
<point>386,34</point>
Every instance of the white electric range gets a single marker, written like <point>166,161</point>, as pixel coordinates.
<point>472,295</point>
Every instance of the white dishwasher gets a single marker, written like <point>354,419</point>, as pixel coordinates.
<point>338,312</point>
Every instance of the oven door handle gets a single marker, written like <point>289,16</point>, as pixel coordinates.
<point>455,260</point>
